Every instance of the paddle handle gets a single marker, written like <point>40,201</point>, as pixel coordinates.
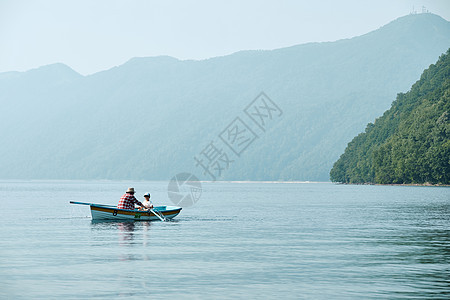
<point>81,203</point>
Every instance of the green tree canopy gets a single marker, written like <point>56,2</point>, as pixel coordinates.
<point>410,143</point>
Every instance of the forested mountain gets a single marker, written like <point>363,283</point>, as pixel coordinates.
<point>150,117</point>
<point>410,143</point>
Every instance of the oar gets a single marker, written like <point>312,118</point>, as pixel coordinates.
<point>162,219</point>
<point>82,203</point>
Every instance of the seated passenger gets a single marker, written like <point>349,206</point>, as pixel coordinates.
<point>147,203</point>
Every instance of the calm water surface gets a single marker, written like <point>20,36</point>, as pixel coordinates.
<point>241,240</point>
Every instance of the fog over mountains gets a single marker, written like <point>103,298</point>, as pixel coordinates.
<point>149,118</point>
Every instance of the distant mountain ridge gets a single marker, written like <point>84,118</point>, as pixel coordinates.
<point>149,118</point>
<point>410,143</point>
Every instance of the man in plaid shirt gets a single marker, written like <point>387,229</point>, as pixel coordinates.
<point>128,200</point>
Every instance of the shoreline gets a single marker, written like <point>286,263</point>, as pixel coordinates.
<point>414,184</point>
<point>398,184</point>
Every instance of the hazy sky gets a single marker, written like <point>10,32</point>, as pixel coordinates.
<point>91,36</point>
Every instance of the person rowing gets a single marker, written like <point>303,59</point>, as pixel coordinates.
<point>127,201</point>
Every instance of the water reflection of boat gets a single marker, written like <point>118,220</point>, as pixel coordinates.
<point>126,229</point>
<point>109,212</point>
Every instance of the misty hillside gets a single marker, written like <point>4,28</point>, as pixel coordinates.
<point>149,118</point>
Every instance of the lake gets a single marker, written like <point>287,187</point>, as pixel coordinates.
<point>240,240</point>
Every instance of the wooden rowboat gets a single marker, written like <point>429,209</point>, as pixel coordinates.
<point>109,212</point>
